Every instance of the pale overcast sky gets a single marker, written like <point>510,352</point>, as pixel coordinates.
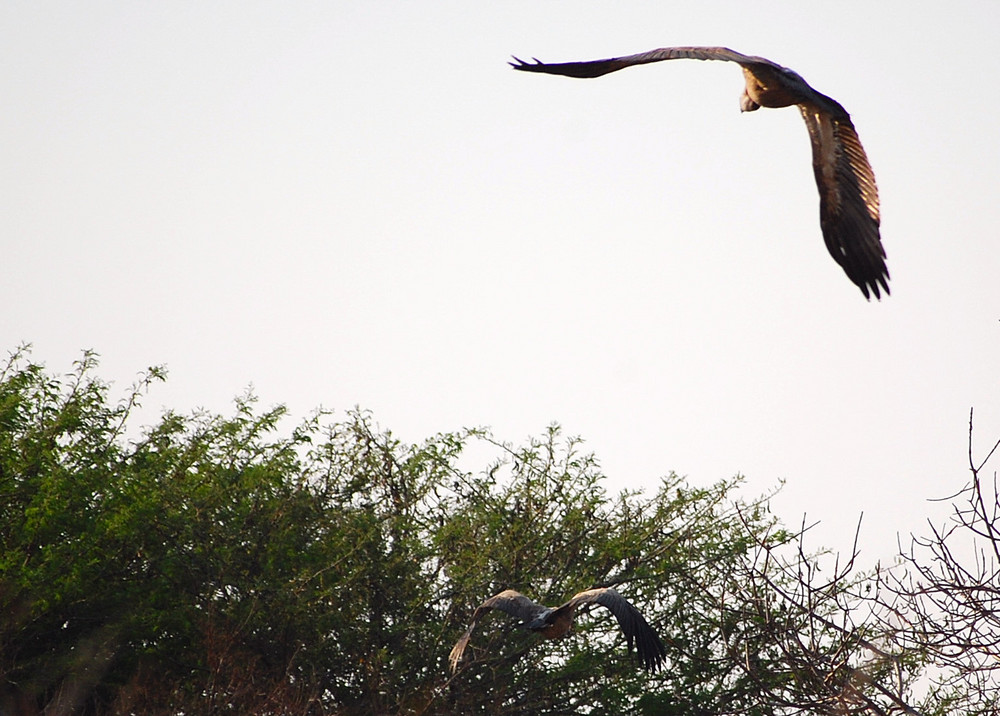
<point>360,203</point>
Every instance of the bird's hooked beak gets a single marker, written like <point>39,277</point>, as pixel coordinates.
<point>747,104</point>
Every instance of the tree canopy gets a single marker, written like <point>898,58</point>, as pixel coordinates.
<point>207,564</point>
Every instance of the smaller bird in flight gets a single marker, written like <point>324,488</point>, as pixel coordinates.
<point>553,623</point>
<point>848,198</point>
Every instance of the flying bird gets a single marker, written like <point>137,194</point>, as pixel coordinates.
<point>553,623</point>
<point>848,199</point>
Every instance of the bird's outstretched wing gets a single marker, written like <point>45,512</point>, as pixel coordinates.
<point>637,630</point>
<point>596,68</point>
<point>509,601</point>
<point>848,198</point>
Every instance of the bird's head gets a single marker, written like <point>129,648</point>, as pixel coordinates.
<point>747,104</point>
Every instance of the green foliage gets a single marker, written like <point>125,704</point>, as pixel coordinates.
<point>540,521</point>
<point>213,564</point>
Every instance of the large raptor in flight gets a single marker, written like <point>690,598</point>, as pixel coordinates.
<point>554,622</point>
<point>848,199</point>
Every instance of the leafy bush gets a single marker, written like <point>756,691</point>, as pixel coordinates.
<point>209,564</point>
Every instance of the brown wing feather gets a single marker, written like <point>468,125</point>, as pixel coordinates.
<point>848,198</point>
<point>635,627</point>
<point>509,601</point>
<point>596,68</point>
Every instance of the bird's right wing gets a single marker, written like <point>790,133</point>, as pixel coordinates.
<point>509,601</point>
<point>596,68</point>
<point>637,630</point>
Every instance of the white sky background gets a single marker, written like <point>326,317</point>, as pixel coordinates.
<point>361,203</point>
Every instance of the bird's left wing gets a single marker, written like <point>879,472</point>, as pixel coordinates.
<point>509,601</point>
<point>637,630</point>
<point>596,68</point>
<point>848,197</point>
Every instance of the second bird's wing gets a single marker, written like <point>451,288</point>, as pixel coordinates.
<point>509,601</point>
<point>637,630</point>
